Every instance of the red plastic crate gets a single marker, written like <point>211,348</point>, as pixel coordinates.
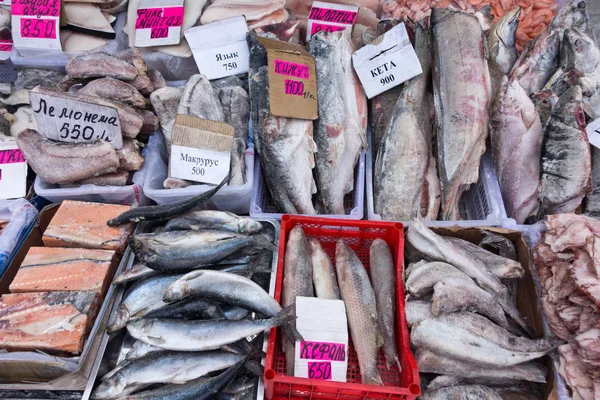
<point>359,235</point>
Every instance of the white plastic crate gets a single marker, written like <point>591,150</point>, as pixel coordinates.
<point>481,205</point>
<point>235,199</point>
<point>263,207</point>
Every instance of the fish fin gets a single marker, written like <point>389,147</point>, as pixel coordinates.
<point>286,318</point>
<point>264,245</point>
<point>255,367</point>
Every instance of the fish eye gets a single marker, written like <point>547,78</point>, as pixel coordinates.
<point>581,5</point>
<point>578,42</point>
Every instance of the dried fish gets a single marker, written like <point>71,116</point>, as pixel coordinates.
<point>100,65</point>
<point>114,89</point>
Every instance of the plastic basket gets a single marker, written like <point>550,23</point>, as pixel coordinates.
<point>263,207</point>
<point>481,205</point>
<point>359,235</point>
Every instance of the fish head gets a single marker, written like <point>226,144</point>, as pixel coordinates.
<point>249,225</point>
<point>569,108</point>
<point>111,388</point>
<point>579,51</point>
<point>506,28</point>
<point>485,17</point>
<point>544,101</point>
<point>119,320</point>
<point>573,14</point>
<point>177,291</point>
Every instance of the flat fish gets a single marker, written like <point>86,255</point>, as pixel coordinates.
<point>340,131</point>
<point>461,88</point>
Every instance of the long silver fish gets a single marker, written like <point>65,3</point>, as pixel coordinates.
<point>136,272</point>
<point>340,131</point>
<point>500,266</point>
<point>461,86</point>
<point>405,165</point>
<point>501,40</point>
<point>383,276</point>
<point>213,220</point>
<point>324,278</point>
<point>361,309</point>
<point>416,311</point>
<point>423,277</point>
<point>297,281</point>
<point>140,349</point>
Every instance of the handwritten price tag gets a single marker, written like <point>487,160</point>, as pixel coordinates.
<point>35,26</point>
<point>323,351</point>
<point>13,172</point>
<point>159,25</point>
<point>319,370</point>
<point>330,17</point>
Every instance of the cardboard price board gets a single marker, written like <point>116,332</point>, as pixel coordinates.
<point>330,17</point>
<point>159,23</point>
<point>292,80</point>
<point>75,121</point>
<point>13,171</point>
<point>35,26</point>
<point>201,149</point>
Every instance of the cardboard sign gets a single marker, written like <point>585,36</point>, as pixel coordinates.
<point>13,171</point>
<point>593,131</point>
<point>292,80</point>
<point>330,17</point>
<point>201,149</point>
<point>387,62</point>
<point>324,353</point>
<point>35,26</point>
<point>75,121</point>
<point>220,48</point>
<point>158,23</point>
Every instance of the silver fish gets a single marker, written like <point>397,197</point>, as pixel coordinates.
<point>361,309</point>
<point>324,278</point>
<point>502,267</point>
<point>501,40</point>
<point>462,88</point>
<point>136,272</point>
<point>340,131</point>
<point>416,311</point>
<point>189,309</point>
<point>383,276</point>
<point>211,219</point>
<point>424,277</point>
<point>297,281</point>
<point>463,392</point>
<point>140,349</point>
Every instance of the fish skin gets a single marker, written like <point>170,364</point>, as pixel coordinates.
<point>544,101</point>
<point>539,62</point>
<point>157,79</point>
<point>140,349</point>
<point>324,278</point>
<point>501,267</point>
<point>501,39</point>
<point>66,162</point>
<point>188,309</point>
<point>200,100</point>
<point>165,367</point>
<point>285,147</point>
<point>416,311</point>
<point>297,281</point>
<point>100,65</point>
<point>424,277</point>
<point>212,219</point>
<point>400,184</point>
<point>114,89</point>
<point>340,131</point>
<point>458,41</point>
<point>165,102</point>
<point>494,242</point>
<point>573,14</point>
<point>592,200</point>
<point>285,31</point>
<point>455,294</point>
<point>383,276</point>
<point>462,392</point>
<point>430,362</point>
<point>361,309</point>
<point>143,297</point>
<point>28,78</point>
<point>566,156</point>
<point>516,137</point>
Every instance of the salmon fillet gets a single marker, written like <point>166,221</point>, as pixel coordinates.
<point>51,269</point>
<point>83,224</point>
<point>54,322</point>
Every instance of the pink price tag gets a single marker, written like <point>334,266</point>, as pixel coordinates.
<point>320,370</point>
<point>161,17</point>
<point>38,28</point>
<point>6,46</point>
<point>316,27</point>
<point>322,351</point>
<point>333,15</point>
<point>36,8</point>
<point>282,67</point>
<point>12,156</point>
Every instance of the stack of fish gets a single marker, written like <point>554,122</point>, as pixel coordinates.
<point>287,145</point>
<point>224,100</point>
<point>120,81</point>
<point>189,306</point>
<point>568,266</point>
<point>371,315</point>
<point>459,297</point>
<point>539,144</point>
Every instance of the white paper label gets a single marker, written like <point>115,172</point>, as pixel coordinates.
<point>324,353</point>
<point>199,165</point>
<point>220,48</point>
<point>35,26</point>
<point>13,171</point>
<point>74,121</point>
<point>593,132</point>
<point>387,64</point>
<point>158,23</point>
<point>330,17</point>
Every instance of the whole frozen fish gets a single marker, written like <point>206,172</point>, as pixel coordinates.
<point>138,271</point>
<point>460,344</point>
<point>501,40</point>
<point>252,10</point>
<point>340,131</point>
<point>425,276</point>
<point>297,281</point>
<point>324,278</point>
<point>566,157</point>
<point>462,392</point>
<point>383,276</point>
<point>502,267</point>
<point>63,163</point>
<point>100,65</point>
<point>416,311</point>
<point>405,159</point>
<point>165,102</point>
<point>361,309</point>
<point>461,88</point>
<point>455,294</point>
<point>200,100</point>
<point>213,220</point>
<point>114,89</point>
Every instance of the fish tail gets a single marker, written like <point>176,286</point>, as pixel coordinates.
<point>287,318</point>
<point>253,365</point>
<point>512,311</point>
<point>264,245</point>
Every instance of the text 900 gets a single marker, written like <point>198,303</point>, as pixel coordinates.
<point>87,133</point>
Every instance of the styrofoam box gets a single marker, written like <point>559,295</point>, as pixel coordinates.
<point>235,199</point>
<point>130,194</point>
<point>58,60</point>
<point>263,207</point>
<point>481,205</point>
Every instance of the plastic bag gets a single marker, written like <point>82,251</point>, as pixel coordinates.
<point>20,215</point>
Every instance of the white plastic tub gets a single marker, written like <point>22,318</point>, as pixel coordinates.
<point>235,199</point>
<point>480,206</point>
<point>264,208</point>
